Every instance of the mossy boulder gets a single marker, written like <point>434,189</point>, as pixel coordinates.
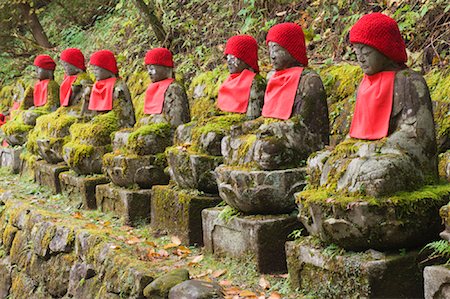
<point>160,287</point>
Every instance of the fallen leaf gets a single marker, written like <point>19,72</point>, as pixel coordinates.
<point>219,273</point>
<point>77,215</point>
<point>197,259</point>
<point>246,293</point>
<point>281,13</point>
<point>275,295</point>
<point>225,283</point>
<point>170,245</point>
<point>232,291</point>
<point>113,246</point>
<point>203,274</point>
<point>175,240</point>
<point>150,243</point>
<point>133,240</point>
<point>163,253</point>
<point>90,226</point>
<point>263,283</point>
<point>107,223</point>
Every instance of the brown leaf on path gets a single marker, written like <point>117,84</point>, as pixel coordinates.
<point>170,245</point>
<point>247,294</point>
<point>175,240</point>
<point>90,226</point>
<point>232,291</point>
<point>163,253</point>
<point>225,283</point>
<point>197,259</point>
<point>219,273</point>
<point>77,215</point>
<point>150,243</point>
<point>133,240</point>
<point>263,283</point>
<point>275,295</point>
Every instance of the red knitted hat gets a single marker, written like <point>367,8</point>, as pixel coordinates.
<point>245,48</point>
<point>159,56</point>
<point>45,62</point>
<point>105,59</point>
<point>74,57</point>
<point>380,32</point>
<point>290,36</point>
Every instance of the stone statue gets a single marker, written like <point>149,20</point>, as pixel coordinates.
<point>52,131</point>
<point>240,97</point>
<point>260,171</point>
<point>391,146</point>
<point>138,156</point>
<point>38,101</point>
<point>111,109</point>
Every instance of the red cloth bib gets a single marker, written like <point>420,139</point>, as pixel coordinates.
<point>65,91</point>
<point>373,106</point>
<point>40,93</point>
<point>154,96</point>
<point>280,93</point>
<point>102,95</point>
<point>235,92</point>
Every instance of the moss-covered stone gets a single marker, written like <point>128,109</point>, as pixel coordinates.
<point>162,285</point>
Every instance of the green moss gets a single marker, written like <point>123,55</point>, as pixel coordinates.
<point>79,151</point>
<point>101,127</point>
<point>229,213</point>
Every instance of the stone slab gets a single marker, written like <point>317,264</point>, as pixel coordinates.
<point>80,187</point>
<point>10,158</point>
<point>47,174</point>
<point>436,282</point>
<point>262,236</point>
<point>331,272</point>
<point>178,212</point>
<point>133,206</point>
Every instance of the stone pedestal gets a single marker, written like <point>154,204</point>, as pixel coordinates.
<point>81,187</point>
<point>260,235</point>
<point>133,206</point>
<point>437,282</point>
<point>330,272</point>
<point>48,174</point>
<point>179,212</point>
<point>10,158</point>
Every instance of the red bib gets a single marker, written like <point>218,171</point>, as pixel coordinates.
<point>102,95</point>
<point>65,91</point>
<point>40,93</point>
<point>373,106</point>
<point>280,93</point>
<point>15,106</point>
<point>235,92</point>
<point>154,96</point>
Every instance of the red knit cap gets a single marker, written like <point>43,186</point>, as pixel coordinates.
<point>290,36</point>
<point>105,59</point>
<point>45,62</point>
<point>74,57</point>
<point>380,32</point>
<point>245,48</point>
<point>159,56</point>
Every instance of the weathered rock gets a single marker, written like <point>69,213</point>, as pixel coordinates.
<point>445,215</point>
<point>48,175</point>
<point>80,275</point>
<point>196,289</point>
<point>133,206</point>
<point>42,235</point>
<point>178,212</point>
<point>444,165</point>
<point>436,282</point>
<point>51,152</point>
<point>10,158</point>
<point>160,287</point>
<point>183,133</point>
<point>5,277</point>
<point>63,240</point>
<point>260,192</point>
<point>325,273</point>
<point>81,188</point>
<point>262,236</point>
<point>86,164</point>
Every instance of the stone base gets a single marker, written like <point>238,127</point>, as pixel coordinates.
<point>437,282</point>
<point>260,235</point>
<point>133,206</point>
<point>79,187</point>
<point>180,213</point>
<point>48,174</point>
<point>10,158</point>
<point>333,273</point>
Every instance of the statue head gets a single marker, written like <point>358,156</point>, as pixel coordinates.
<point>241,52</point>
<point>378,43</point>
<point>104,65</point>
<point>287,47</point>
<point>73,62</point>
<point>159,62</point>
<point>45,67</point>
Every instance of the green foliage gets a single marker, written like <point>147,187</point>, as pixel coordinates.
<point>440,249</point>
<point>229,213</point>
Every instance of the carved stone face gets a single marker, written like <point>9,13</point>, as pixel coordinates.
<point>280,57</point>
<point>43,74</point>
<point>235,65</point>
<point>159,72</point>
<point>70,69</point>
<point>371,60</point>
<point>101,73</point>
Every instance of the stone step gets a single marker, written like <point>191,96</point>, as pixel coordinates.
<point>47,174</point>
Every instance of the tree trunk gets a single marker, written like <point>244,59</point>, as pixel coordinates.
<point>35,26</point>
<point>150,19</point>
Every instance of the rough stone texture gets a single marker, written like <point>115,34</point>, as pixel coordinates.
<point>436,282</point>
<point>125,171</point>
<point>178,212</point>
<point>262,236</point>
<point>160,287</point>
<point>48,175</point>
<point>10,158</point>
<point>370,274</point>
<point>51,153</point>
<point>260,192</point>
<point>87,164</point>
<point>81,188</point>
<point>47,259</point>
<point>196,289</point>
<point>192,171</point>
<point>133,206</point>
<point>444,165</point>
<point>360,225</point>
